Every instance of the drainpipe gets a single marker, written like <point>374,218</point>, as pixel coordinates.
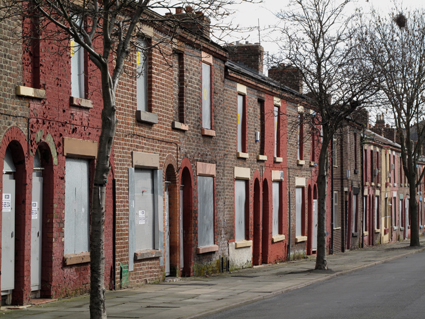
<point>288,256</point>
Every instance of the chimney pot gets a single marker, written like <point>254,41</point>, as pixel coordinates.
<point>179,10</point>
<point>189,9</point>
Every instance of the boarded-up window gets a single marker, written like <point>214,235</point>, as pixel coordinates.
<point>205,211</point>
<point>354,214</point>
<point>206,96</point>
<point>77,70</point>
<point>376,213</point>
<point>240,209</point>
<point>276,208</point>
<point>241,124</point>
<point>276,130</point>
<point>142,75</point>
<point>337,217</point>
<point>76,206</point>
<point>144,209</point>
<point>299,207</point>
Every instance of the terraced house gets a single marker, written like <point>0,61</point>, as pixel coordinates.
<point>213,166</point>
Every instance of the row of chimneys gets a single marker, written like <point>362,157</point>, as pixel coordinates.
<point>251,55</point>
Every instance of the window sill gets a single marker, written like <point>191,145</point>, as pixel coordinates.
<point>379,185</point>
<point>337,228</point>
<point>30,92</point>
<point>300,239</point>
<point>84,103</point>
<point>278,159</point>
<point>372,184</point>
<point>395,227</point>
<point>365,233</point>
<point>377,231</point>
<point>243,243</point>
<point>147,254</point>
<point>75,259</point>
<point>312,163</point>
<point>395,184</point>
<point>180,126</point>
<point>261,157</point>
<point>146,117</point>
<point>206,249</point>
<point>208,132</point>
<point>242,155</point>
<point>401,228</point>
<point>300,162</point>
<point>367,183</point>
<point>278,238</point>
<point>354,234</point>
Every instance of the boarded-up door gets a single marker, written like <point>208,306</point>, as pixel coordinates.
<point>314,245</point>
<point>8,234</point>
<point>144,195</point>
<point>167,232</point>
<point>36,229</point>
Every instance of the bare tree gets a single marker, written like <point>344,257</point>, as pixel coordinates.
<point>395,45</point>
<point>318,39</point>
<point>107,30</point>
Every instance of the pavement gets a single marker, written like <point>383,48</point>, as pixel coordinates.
<point>198,296</point>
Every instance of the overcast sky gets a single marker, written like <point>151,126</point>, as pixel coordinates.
<point>247,15</point>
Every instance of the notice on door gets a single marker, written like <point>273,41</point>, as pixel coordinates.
<point>142,217</point>
<point>34,210</point>
<point>7,202</point>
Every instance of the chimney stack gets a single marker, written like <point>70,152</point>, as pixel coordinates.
<point>287,75</point>
<point>249,54</point>
<point>194,22</point>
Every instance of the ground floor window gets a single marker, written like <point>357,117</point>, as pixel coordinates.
<point>205,211</point>
<point>76,206</point>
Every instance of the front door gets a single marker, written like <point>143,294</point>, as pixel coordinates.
<point>314,242</point>
<point>167,232</point>
<point>36,229</point>
<point>8,235</point>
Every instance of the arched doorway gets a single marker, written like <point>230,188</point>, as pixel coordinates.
<point>257,224</point>
<point>186,226</point>
<point>266,225</point>
<point>13,282</point>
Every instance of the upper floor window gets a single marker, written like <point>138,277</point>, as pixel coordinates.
<point>300,137</point>
<point>276,131</point>
<point>206,96</point>
<point>241,123</point>
<point>142,75</point>
<point>77,70</point>
<point>77,67</point>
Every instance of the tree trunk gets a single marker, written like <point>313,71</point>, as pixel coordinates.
<point>413,213</point>
<point>97,258</point>
<point>322,183</point>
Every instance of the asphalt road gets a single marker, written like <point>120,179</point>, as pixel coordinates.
<point>395,289</point>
